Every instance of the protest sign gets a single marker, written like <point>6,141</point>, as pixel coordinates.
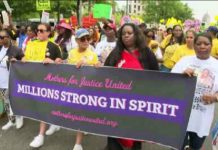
<point>102,11</point>
<point>5,18</point>
<point>45,17</point>
<point>43,5</point>
<point>141,105</point>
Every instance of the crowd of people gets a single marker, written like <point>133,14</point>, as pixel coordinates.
<point>129,46</point>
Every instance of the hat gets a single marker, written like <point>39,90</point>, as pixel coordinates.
<point>81,32</point>
<point>64,25</point>
<point>111,25</point>
<point>212,29</point>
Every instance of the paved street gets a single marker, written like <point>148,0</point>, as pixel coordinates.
<point>63,140</point>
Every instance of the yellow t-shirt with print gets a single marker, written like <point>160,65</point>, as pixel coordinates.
<point>169,51</point>
<point>88,56</point>
<point>35,50</point>
<point>214,50</point>
<point>151,43</point>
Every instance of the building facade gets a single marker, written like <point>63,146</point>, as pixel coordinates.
<point>135,7</point>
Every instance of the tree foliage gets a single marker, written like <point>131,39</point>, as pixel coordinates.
<point>163,9</point>
<point>24,9</point>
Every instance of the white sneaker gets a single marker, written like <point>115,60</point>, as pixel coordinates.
<point>8,125</point>
<point>52,129</point>
<point>37,142</point>
<point>78,147</point>
<point>19,122</point>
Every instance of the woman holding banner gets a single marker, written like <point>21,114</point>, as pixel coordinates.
<point>80,56</point>
<point>204,67</point>
<point>130,52</point>
<point>8,53</point>
<point>42,50</point>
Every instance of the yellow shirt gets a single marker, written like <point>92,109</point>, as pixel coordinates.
<point>214,51</point>
<point>151,43</point>
<point>180,52</point>
<point>88,56</point>
<point>35,51</point>
<point>165,41</point>
<point>52,39</point>
<point>169,51</point>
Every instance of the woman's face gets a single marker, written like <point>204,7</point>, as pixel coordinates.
<point>42,33</point>
<point>83,42</point>
<point>177,32</point>
<point>109,32</point>
<point>61,31</point>
<point>30,33</point>
<point>149,36</point>
<point>128,37</point>
<point>203,47</point>
<point>91,31</point>
<point>190,38</point>
<point>96,29</point>
<point>4,38</point>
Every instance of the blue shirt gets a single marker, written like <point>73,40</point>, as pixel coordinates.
<point>22,37</point>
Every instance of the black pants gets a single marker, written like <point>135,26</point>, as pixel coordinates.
<point>113,144</point>
<point>193,140</point>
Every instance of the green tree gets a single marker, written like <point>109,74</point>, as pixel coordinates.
<point>163,9</point>
<point>22,10</point>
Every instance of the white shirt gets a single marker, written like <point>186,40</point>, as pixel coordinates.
<point>4,77</point>
<point>201,116</point>
<point>103,49</point>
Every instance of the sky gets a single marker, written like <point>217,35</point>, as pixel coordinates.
<point>199,7</point>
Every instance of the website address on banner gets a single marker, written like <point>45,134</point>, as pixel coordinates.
<point>73,117</point>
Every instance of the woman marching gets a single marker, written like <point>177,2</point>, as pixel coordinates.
<point>42,50</point>
<point>130,52</point>
<point>204,67</point>
<point>8,53</point>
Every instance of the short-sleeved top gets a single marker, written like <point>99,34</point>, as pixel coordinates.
<point>88,56</point>
<point>201,117</point>
<point>37,51</point>
<point>180,52</point>
<point>103,49</point>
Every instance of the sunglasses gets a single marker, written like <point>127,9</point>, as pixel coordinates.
<point>41,30</point>
<point>83,39</point>
<point>150,36</point>
<point>2,37</point>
